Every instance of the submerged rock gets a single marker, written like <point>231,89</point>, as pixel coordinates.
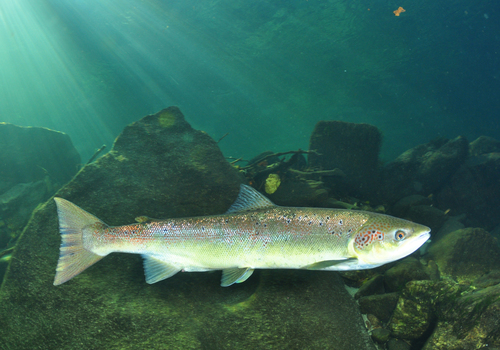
<point>381,305</point>
<point>423,169</point>
<point>466,254</point>
<point>406,270</point>
<point>484,145</point>
<point>403,206</point>
<point>469,322</point>
<point>418,307</point>
<point>428,216</point>
<point>300,194</point>
<point>34,163</point>
<point>374,285</point>
<point>381,335</point>
<point>161,167</point>
<point>396,344</point>
<point>30,153</point>
<point>474,189</point>
<point>353,148</point>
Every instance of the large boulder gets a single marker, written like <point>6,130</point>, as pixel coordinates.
<point>30,153</point>
<point>353,148</point>
<point>406,270</point>
<point>474,189</point>
<point>423,169</point>
<point>446,315</point>
<point>161,167</point>
<point>469,322</point>
<point>34,163</point>
<point>466,254</point>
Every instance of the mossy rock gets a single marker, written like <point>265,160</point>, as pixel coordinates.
<point>466,254</point>
<point>161,167</point>
<point>469,323</point>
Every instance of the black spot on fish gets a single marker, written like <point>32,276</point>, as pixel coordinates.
<point>328,218</point>
<point>310,222</point>
<point>288,221</point>
<point>320,224</point>
<point>341,222</point>
<point>265,225</point>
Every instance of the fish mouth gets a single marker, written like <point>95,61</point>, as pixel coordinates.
<point>415,243</point>
<point>424,236</point>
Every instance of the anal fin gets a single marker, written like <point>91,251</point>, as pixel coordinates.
<point>157,270</point>
<point>235,275</point>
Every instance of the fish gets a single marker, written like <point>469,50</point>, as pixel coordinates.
<point>254,233</point>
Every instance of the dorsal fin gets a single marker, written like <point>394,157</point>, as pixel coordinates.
<point>249,199</point>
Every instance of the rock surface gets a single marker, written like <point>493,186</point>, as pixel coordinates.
<point>161,167</point>
<point>466,254</point>
<point>374,285</point>
<point>474,189</point>
<point>34,163</point>
<point>468,323</point>
<point>381,305</point>
<point>353,148</point>
<point>423,169</point>
<point>446,315</point>
<point>30,153</point>
<point>406,270</point>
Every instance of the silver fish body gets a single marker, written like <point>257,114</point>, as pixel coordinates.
<point>253,234</point>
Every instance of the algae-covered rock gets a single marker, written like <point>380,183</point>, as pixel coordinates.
<point>423,169</point>
<point>34,163</point>
<point>381,335</point>
<point>446,315</point>
<point>466,254</point>
<point>417,305</point>
<point>397,344</point>
<point>160,167</point>
<point>353,148</point>
<point>409,269</point>
<point>474,189</point>
<point>469,323</point>
<point>450,225</point>
<point>381,305</point>
<point>30,153</point>
<point>484,145</point>
<point>374,285</point>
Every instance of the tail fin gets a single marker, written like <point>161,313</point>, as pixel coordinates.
<point>73,258</point>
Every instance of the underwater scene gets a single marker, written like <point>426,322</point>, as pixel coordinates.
<point>229,174</point>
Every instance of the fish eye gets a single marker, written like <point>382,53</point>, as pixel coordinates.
<point>399,235</point>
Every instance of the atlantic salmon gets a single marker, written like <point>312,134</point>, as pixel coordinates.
<point>253,234</point>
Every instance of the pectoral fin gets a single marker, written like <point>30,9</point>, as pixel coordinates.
<point>327,263</point>
<point>236,275</point>
<point>157,270</point>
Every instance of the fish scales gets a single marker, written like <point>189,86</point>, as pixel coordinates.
<point>253,234</point>
<point>281,237</point>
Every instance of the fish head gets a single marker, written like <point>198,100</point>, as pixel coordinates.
<point>384,238</point>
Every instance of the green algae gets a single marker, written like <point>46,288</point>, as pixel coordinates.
<point>166,119</point>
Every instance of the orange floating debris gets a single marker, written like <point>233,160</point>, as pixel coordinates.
<point>398,11</point>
